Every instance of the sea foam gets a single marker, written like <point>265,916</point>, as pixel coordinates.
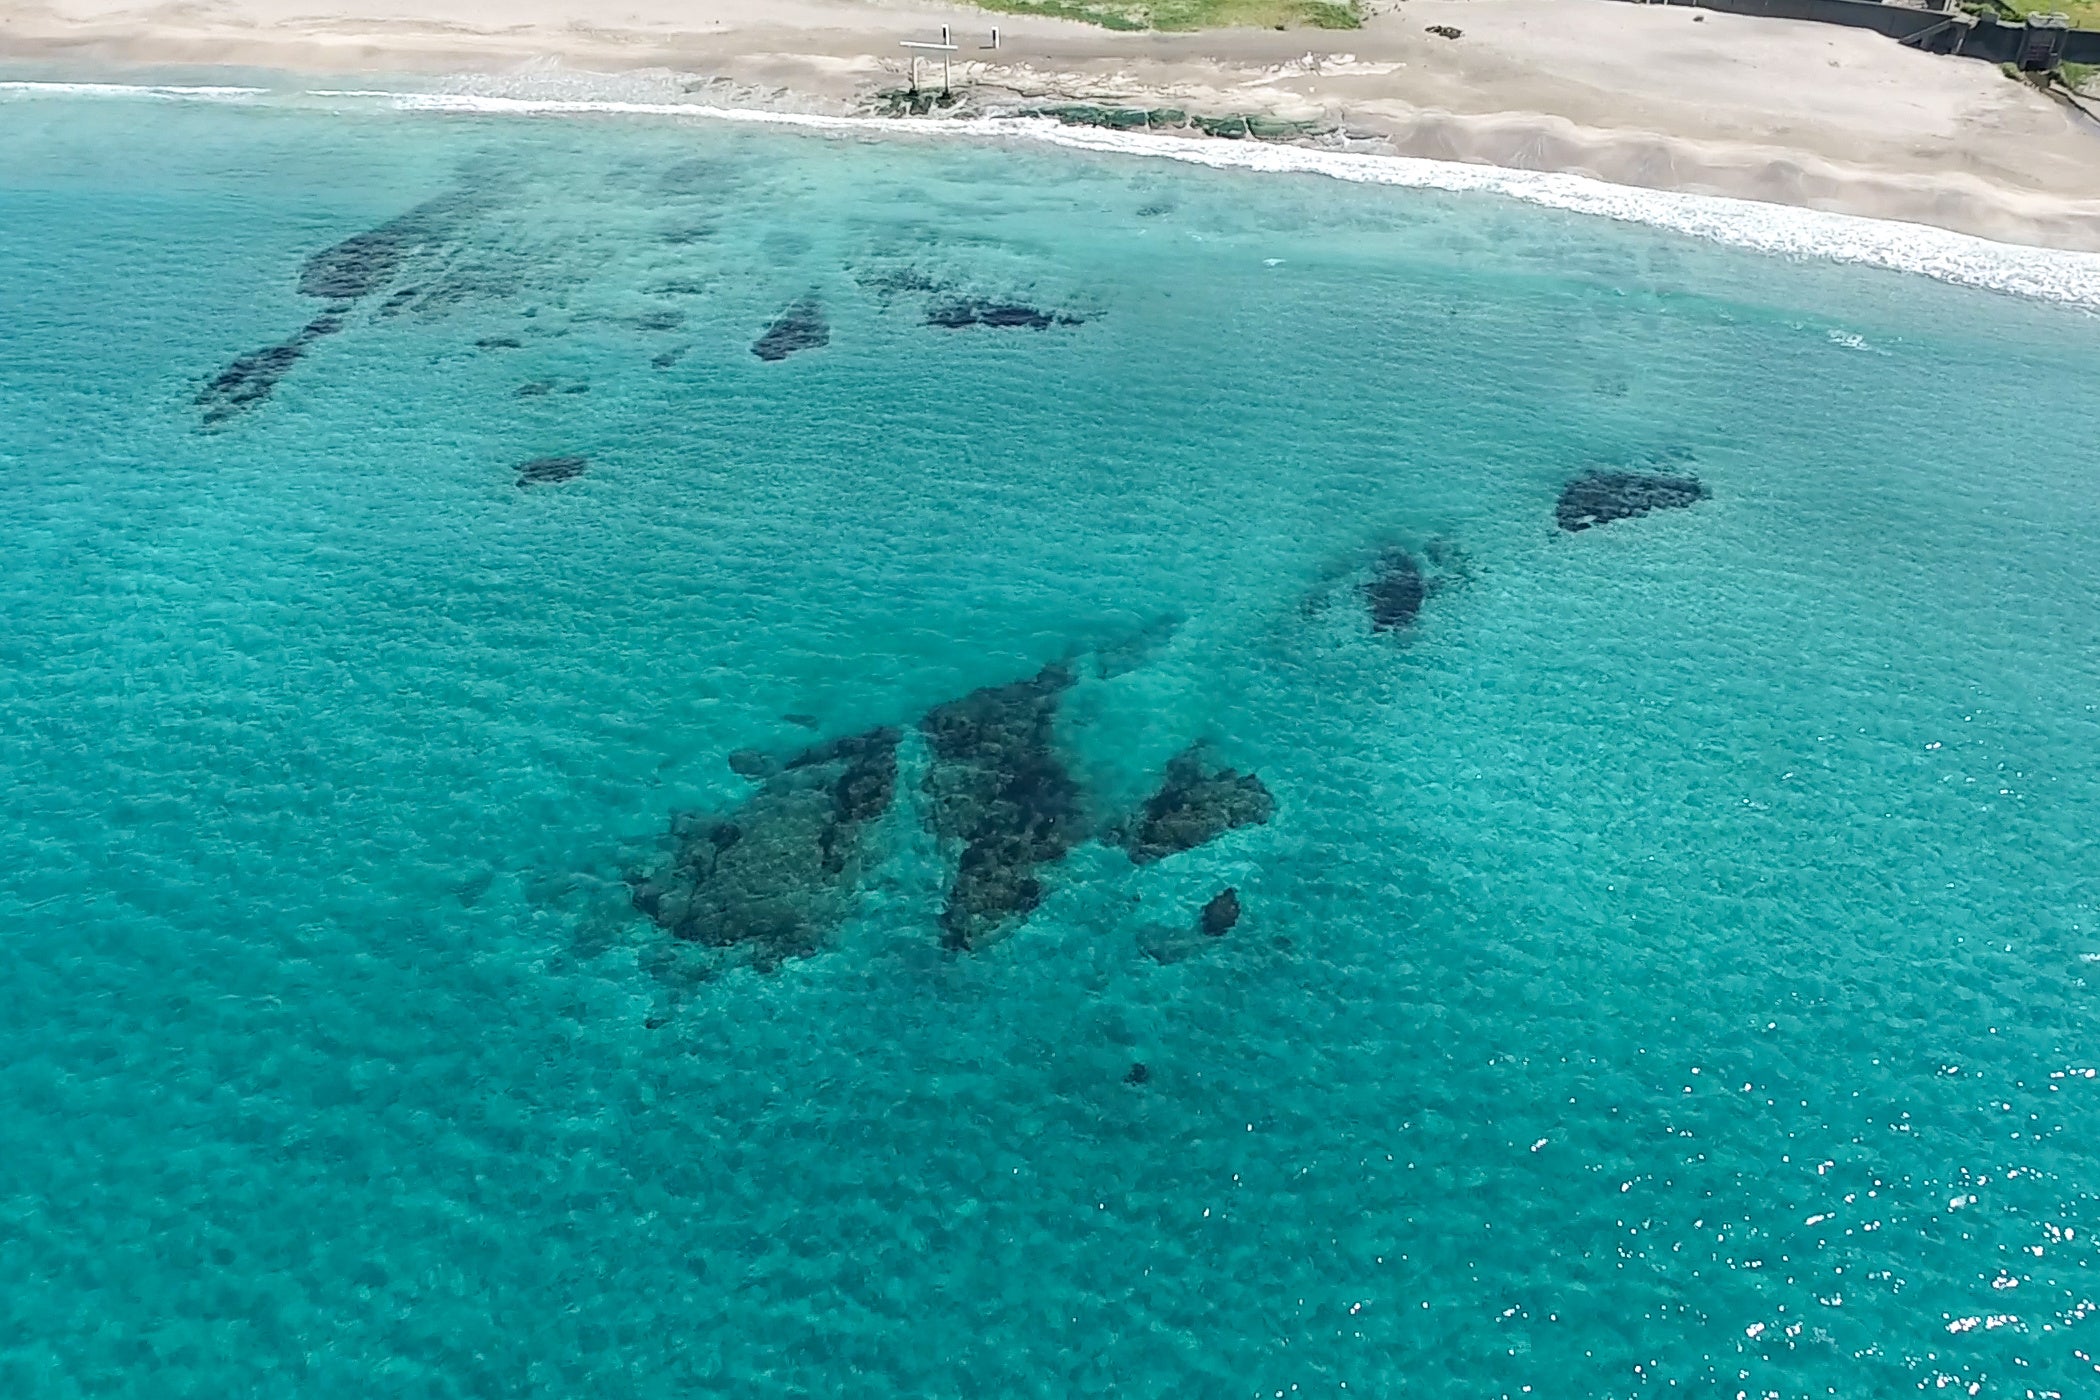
<point>2048,274</point>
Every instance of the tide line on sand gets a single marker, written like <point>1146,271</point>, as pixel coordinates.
<point>1779,229</point>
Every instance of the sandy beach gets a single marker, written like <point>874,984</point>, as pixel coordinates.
<point>1665,97</point>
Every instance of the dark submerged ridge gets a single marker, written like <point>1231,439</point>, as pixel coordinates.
<point>249,380</point>
<point>1395,593</point>
<point>364,262</point>
<point>800,327</point>
<point>776,875</point>
<point>542,471</point>
<point>998,786</point>
<point>959,315</point>
<point>1598,498</point>
<point>1193,806</point>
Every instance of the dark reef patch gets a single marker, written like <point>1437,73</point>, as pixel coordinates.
<point>544,471</point>
<point>1221,913</point>
<point>999,315</point>
<point>669,357</point>
<point>1138,1073</point>
<point>364,262</point>
<point>664,320</point>
<point>776,875</point>
<point>1395,591</point>
<point>998,786</point>
<point>1192,807</point>
<point>1598,498</point>
<point>800,327</point>
<point>534,389</point>
<point>249,380</point>
<point>499,342</point>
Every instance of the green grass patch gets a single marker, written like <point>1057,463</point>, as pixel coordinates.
<point>1194,14</point>
<point>2079,76</point>
<point>2084,14</point>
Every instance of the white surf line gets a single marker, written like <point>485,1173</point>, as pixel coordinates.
<point>167,90</point>
<point>1783,230</point>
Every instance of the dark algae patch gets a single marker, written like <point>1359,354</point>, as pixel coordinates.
<point>364,262</point>
<point>998,787</point>
<point>251,378</point>
<point>545,471</point>
<point>1220,913</point>
<point>1394,594</point>
<point>999,315</point>
<point>800,327</point>
<point>1598,498</point>
<point>775,876</point>
<point>1193,806</point>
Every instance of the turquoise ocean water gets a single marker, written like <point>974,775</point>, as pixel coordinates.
<point>1667,968</point>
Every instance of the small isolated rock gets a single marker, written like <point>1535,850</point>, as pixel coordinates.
<point>1139,1073</point>
<point>1598,498</point>
<point>1221,913</point>
<point>753,764</point>
<point>1445,31</point>
<point>544,471</point>
<point>800,327</point>
<point>1395,593</point>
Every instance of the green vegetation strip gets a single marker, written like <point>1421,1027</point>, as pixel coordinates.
<point>1195,14</point>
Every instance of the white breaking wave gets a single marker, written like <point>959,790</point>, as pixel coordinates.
<point>171,91</point>
<point>1781,229</point>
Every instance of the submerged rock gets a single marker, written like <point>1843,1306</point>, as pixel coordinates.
<point>1598,498</point>
<point>800,327</point>
<point>1221,913</point>
<point>543,471</point>
<point>1138,1073</point>
<point>958,315</point>
<point>776,875</point>
<point>1395,591</point>
<point>1192,807</point>
<point>365,262</point>
<point>998,786</point>
<point>251,377</point>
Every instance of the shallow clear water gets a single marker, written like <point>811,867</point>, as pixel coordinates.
<point>1667,968</point>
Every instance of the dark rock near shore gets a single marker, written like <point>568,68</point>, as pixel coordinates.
<point>1221,913</point>
<point>998,786</point>
<point>249,380</point>
<point>1598,498</point>
<point>545,471</point>
<point>1395,592</point>
<point>1192,807</point>
<point>778,873</point>
<point>800,327</point>
<point>999,315</point>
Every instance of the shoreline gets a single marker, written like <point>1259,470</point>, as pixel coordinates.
<point>2065,277</point>
<point>1647,97</point>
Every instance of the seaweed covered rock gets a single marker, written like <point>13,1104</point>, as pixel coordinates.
<point>545,471</point>
<point>777,874</point>
<point>1395,591</point>
<point>1193,806</point>
<point>364,262</point>
<point>249,380</point>
<point>1220,913</point>
<point>800,327</point>
<point>999,315</point>
<point>1598,498</point>
<point>997,786</point>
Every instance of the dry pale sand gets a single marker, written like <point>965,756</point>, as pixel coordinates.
<point>1668,97</point>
